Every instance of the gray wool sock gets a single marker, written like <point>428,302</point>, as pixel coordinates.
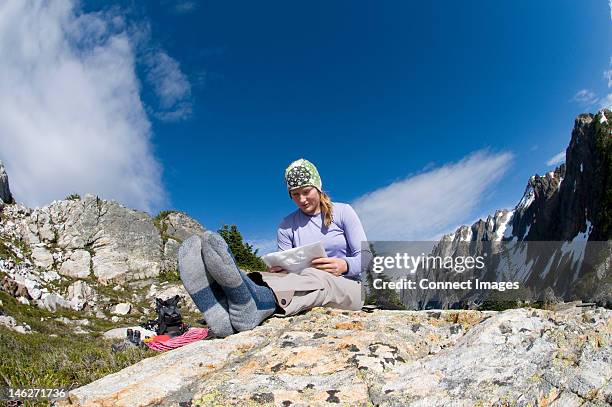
<point>205,292</point>
<point>249,303</point>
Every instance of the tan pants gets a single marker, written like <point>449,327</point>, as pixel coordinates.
<point>313,288</point>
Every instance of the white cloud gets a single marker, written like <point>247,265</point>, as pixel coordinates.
<point>425,205</point>
<point>71,117</point>
<point>585,97</point>
<point>608,75</point>
<point>606,101</point>
<point>170,85</point>
<point>556,159</point>
<point>185,6</point>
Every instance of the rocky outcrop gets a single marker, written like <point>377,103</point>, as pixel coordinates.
<point>575,198</point>
<point>386,358</point>
<point>5,192</point>
<point>92,237</point>
<point>174,228</point>
<point>123,244</point>
<point>59,253</point>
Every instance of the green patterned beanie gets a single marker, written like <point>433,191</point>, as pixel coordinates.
<point>302,173</point>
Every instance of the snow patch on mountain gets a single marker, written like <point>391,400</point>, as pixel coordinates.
<point>502,229</point>
<point>527,199</point>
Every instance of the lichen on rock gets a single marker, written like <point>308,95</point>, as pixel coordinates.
<point>329,357</point>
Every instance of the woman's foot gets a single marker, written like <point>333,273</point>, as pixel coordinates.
<point>205,292</point>
<point>248,303</point>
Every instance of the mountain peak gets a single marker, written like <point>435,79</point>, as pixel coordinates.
<point>5,192</point>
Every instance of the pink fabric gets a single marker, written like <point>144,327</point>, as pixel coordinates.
<point>194,334</point>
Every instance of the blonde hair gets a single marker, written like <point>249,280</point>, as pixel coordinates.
<point>326,208</point>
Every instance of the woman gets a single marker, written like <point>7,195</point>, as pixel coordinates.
<point>235,301</point>
<point>331,281</point>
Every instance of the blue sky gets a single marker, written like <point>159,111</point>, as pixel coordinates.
<point>424,115</point>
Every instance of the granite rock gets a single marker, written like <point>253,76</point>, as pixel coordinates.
<point>78,265</point>
<point>387,358</point>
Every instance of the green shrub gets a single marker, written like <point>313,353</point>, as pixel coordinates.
<point>73,197</point>
<point>243,252</point>
<point>158,221</point>
<point>171,276</point>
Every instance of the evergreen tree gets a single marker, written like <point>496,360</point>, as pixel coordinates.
<point>246,257</point>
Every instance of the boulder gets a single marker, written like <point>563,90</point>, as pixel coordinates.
<point>79,294</point>
<point>49,276</point>
<point>122,308</point>
<point>10,323</point>
<point>23,300</point>
<point>51,301</point>
<point>42,257</point>
<point>73,322</point>
<point>14,288</point>
<point>78,265</point>
<point>386,358</point>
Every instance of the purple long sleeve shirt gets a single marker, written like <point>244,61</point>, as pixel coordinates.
<point>341,240</point>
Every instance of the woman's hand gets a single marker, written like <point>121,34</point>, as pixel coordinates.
<point>276,269</point>
<point>330,264</point>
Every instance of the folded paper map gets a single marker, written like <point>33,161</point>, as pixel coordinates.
<point>296,259</point>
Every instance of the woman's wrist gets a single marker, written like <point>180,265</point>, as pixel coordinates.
<point>345,269</point>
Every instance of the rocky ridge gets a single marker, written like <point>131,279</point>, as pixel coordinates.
<point>66,254</point>
<point>389,358</point>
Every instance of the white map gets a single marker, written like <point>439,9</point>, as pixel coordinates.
<point>296,259</point>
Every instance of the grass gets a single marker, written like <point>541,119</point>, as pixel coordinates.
<point>7,253</point>
<point>54,357</point>
<point>40,360</point>
<point>171,276</point>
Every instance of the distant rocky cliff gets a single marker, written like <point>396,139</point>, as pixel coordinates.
<point>574,198</point>
<point>571,205</point>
